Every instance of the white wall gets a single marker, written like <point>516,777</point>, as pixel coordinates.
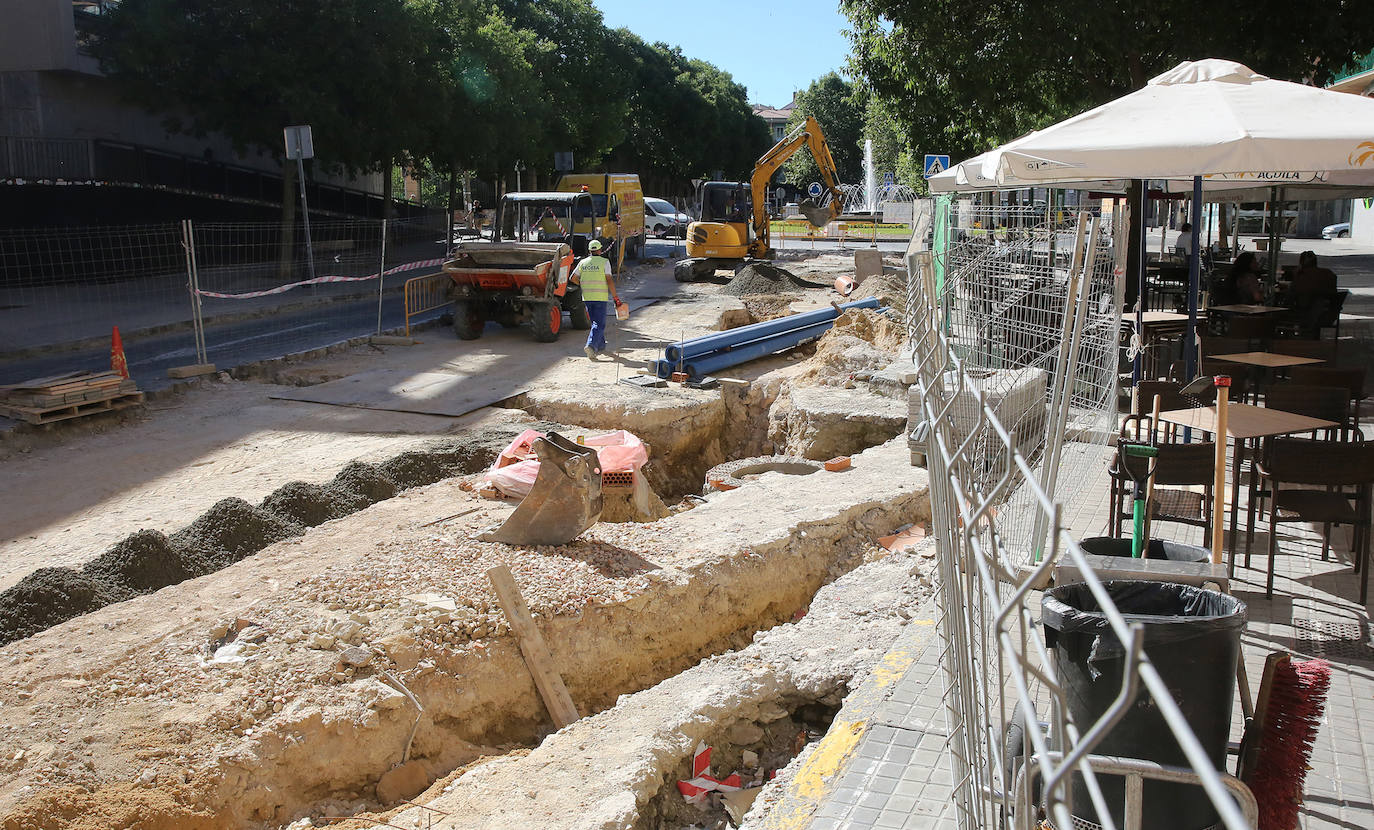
<point>1362,220</point>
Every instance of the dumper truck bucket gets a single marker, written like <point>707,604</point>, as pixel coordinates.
<point>564,501</point>
<point>814,213</point>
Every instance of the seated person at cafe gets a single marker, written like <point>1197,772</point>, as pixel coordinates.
<point>1242,284</point>
<point>1311,278</point>
<point>1183,243</point>
<point>1311,293</point>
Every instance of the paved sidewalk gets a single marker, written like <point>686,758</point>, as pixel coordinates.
<point>892,771</point>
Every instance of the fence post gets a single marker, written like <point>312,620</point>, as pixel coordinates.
<point>381,278</point>
<point>188,242</point>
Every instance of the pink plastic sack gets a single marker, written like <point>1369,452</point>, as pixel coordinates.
<point>619,450</point>
<point>515,469</point>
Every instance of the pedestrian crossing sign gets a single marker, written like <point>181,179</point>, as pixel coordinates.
<point>935,164</point>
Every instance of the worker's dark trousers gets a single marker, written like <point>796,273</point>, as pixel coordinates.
<point>596,338</point>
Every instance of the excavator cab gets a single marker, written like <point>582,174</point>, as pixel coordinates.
<point>731,230</point>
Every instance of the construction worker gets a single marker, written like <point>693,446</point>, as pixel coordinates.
<point>594,274</point>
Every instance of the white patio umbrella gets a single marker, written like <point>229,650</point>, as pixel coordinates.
<point>1227,131</point>
<point>1211,118</point>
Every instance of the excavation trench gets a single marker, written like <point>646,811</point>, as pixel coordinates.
<point>332,650</point>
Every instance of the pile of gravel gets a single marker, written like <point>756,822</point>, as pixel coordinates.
<point>49,596</point>
<point>229,531</point>
<point>232,530</point>
<point>311,504</point>
<point>365,481</point>
<point>760,278</point>
<point>142,563</point>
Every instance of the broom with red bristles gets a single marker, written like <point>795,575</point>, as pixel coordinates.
<point>1278,739</point>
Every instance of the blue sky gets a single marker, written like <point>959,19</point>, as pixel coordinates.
<point>771,47</point>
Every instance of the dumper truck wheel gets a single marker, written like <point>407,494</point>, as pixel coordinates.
<point>467,321</point>
<point>577,311</point>
<point>548,321</point>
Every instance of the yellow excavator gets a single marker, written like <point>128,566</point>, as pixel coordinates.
<point>733,227</point>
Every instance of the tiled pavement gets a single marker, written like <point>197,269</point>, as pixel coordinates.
<point>895,776</point>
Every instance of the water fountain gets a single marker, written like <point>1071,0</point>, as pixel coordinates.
<point>862,202</point>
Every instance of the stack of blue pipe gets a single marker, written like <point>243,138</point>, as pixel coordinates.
<point>703,355</point>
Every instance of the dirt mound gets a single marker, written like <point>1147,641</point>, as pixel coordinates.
<point>889,288</point>
<point>414,469</point>
<point>761,278</point>
<point>141,563</point>
<point>366,481</point>
<point>311,504</point>
<point>49,596</point>
<point>231,530</point>
<point>861,340</point>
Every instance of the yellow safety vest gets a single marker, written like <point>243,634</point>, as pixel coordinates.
<point>591,272</point>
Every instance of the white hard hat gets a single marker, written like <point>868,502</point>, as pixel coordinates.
<point>594,245</point>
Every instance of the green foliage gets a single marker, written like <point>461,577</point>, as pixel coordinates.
<point>433,85</point>
<point>839,108</point>
<point>962,78</point>
<point>250,68</point>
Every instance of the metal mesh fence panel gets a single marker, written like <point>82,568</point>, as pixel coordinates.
<point>63,289</point>
<point>259,297</point>
<point>990,381</point>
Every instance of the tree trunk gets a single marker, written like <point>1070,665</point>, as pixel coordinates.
<point>452,194</point>
<point>286,255</point>
<point>387,207</point>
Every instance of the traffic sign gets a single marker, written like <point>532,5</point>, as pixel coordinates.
<point>299,144</point>
<point>563,162</point>
<point>814,190</point>
<point>780,194</point>
<point>935,164</point>
<point>889,180</point>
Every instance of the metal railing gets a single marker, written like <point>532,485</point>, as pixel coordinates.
<point>999,523</point>
<point>426,293</point>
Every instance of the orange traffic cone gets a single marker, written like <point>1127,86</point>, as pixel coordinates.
<point>118,363</point>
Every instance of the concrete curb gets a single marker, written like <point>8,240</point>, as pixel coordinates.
<point>832,756</point>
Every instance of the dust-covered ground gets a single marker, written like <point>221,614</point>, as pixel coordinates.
<point>234,611</point>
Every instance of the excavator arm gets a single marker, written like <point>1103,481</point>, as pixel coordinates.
<point>809,134</point>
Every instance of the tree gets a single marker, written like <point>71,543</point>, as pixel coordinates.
<point>963,78</point>
<point>839,108</point>
<point>248,69</point>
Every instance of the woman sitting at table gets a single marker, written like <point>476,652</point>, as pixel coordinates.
<point>1242,284</point>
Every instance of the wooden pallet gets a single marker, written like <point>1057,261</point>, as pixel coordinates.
<point>46,415</point>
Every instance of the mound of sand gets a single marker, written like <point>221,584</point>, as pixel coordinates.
<point>49,596</point>
<point>861,340</point>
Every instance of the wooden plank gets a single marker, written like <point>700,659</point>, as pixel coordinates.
<point>39,382</point>
<point>191,371</point>
<point>35,415</point>
<point>537,657</point>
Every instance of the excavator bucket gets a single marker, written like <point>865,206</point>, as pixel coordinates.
<point>815,214</point>
<point>564,501</point>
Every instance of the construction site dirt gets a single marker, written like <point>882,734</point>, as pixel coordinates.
<point>242,610</point>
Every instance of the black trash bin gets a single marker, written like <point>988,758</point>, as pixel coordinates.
<point>1192,637</point>
<point>1156,549</point>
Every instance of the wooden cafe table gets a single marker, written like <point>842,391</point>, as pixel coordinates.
<point>1243,423</point>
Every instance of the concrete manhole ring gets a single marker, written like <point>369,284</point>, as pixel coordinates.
<point>735,473</point>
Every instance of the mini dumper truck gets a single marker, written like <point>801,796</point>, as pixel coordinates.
<point>524,273</point>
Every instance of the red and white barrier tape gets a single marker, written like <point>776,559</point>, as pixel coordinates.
<point>247,295</point>
<point>549,213</point>
<point>694,791</point>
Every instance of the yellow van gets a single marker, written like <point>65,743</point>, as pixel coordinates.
<point>613,195</point>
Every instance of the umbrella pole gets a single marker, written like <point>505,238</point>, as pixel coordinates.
<point>1194,284</point>
<point>1141,244</point>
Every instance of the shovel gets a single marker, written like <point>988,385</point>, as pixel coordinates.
<point>564,501</point>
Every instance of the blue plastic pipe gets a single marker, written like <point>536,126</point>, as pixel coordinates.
<point>699,346</point>
<point>703,365</point>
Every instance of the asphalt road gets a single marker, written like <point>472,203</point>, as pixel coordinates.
<point>227,344</point>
